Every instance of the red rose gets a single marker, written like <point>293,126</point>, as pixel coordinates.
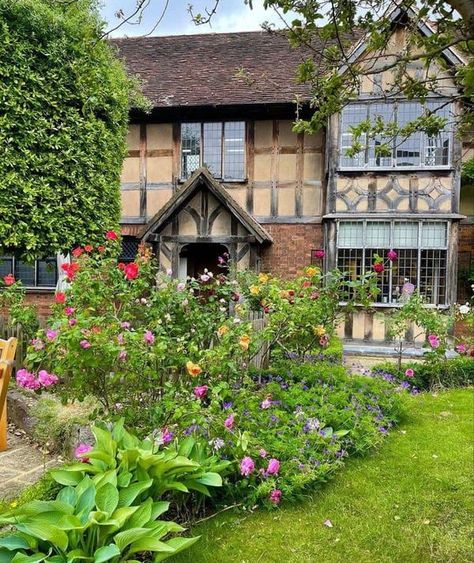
<point>131,271</point>
<point>101,249</point>
<point>77,252</point>
<point>88,248</point>
<point>111,235</point>
<point>291,293</point>
<point>9,279</point>
<point>121,266</point>
<point>379,267</point>
<point>306,283</point>
<point>70,270</point>
<point>60,297</point>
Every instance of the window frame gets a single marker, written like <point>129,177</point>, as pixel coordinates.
<point>364,154</point>
<point>419,250</point>
<point>13,259</point>
<point>222,177</point>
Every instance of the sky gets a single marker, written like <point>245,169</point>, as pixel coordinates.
<point>232,15</point>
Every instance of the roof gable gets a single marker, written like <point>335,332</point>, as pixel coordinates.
<point>200,179</point>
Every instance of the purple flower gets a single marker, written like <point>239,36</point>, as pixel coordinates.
<point>461,348</point>
<point>166,436</point>
<point>181,286</point>
<point>227,405</point>
<point>81,450</point>
<point>382,429</point>
<point>262,453</point>
<point>122,355</point>
<point>273,467</point>
<point>125,325</point>
<point>408,288</point>
<point>72,322</point>
<point>229,421</point>
<point>84,344</point>
<point>247,466</point>
<point>148,337</point>
<point>275,496</point>
<point>51,334</point>
<point>201,391</point>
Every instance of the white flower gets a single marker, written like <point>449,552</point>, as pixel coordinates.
<point>143,301</point>
<point>464,309</point>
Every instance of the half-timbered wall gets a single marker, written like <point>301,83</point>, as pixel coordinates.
<point>284,172</point>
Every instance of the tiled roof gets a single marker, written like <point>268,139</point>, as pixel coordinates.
<point>201,70</point>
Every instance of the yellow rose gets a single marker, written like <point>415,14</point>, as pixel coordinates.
<point>244,341</point>
<point>284,294</point>
<point>319,330</point>
<point>193,369</point>
<point>238,309</point>
<point>312,271</point>
<point>263,278</point>
<point>222,330</point>
<point>254,289</point>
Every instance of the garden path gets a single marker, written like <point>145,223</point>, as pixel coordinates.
<point>22,464</point>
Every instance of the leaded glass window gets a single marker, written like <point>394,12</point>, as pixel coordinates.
<point>422,256</point>
<point>40,273</point>
<point>220,146</point>
<point>418,150</point>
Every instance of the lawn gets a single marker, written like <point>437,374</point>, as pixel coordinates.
<point>411,501</point>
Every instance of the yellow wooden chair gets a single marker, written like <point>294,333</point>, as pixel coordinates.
<point>7,357</point>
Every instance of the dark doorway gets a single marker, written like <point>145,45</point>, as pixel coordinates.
<point>199,256</point>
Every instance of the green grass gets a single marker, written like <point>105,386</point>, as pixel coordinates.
<point>412,501</point>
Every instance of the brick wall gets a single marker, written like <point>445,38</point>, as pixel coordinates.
<point>43,301</point>
<point>465,260</point>
<point>291,248</point>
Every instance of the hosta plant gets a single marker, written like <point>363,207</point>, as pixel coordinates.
<point>109,505</point>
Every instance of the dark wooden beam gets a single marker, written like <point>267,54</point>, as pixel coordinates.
<point>143,170</point>
<point>189,239</point>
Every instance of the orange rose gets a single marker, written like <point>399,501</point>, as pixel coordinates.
<point>222,330</point>
<point>193,369</point>
<point>244,341</point>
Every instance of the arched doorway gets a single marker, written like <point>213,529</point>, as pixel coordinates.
<point>194,258</point>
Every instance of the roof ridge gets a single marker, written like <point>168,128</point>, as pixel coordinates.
<point>210,34</point>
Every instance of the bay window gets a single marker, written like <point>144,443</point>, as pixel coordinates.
<point>218,145</point>
<point>422,256</point>
<point>418,150</point>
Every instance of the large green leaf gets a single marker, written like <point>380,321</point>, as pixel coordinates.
<point>68,495</point>
<point>125,538</point>
<point>150,544</point>
<point>159,508</point>
<point>104,441</point>
<point>76,554</point>
<point>179,544</point>
<point>65,477</point>
<point>22,558</point>
<point>210,479</point>
<point>186,446</point>
<point>103,478</point>
<point>122,514</point>
<point>70,522</point>
<point>14,542</point>
<point>86,500</point>
<point>107,498</point>
<point>105,553</point>
<point>129,494</point>
<point>45,532</point>
<point>142,515</point>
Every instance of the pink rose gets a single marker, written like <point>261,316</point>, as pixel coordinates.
<point>319,254</point>
<point>47,379</point>
<point>229,421</point>
<point>51,334</point>
<point>433,340</point>
<point>273,467</point>
<point>409,372</point>
<point>275,496</point>
<point>262,453</point>
<point>461,348</point>
<point>247,466</point>
<point>392,255</point>
<point>85,344</point>
<point>148,337</point>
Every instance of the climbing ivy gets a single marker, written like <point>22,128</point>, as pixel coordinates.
<point>64,100</point>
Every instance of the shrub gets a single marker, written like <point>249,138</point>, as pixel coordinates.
<point>286,429</point>
<point>456,372</point>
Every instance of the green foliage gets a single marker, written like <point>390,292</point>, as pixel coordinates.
<point>308,417</point>
<point>64,101</point>
<point>467,175</point>
<point>108,507</point>
<point>18,312</point>
<point>456,372</point>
